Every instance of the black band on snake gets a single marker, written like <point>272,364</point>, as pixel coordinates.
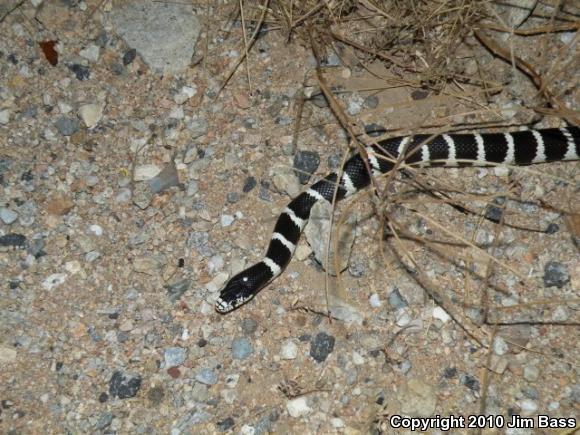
<point>516,148</point>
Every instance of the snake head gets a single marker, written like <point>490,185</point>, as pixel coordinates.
<point>242,287</point>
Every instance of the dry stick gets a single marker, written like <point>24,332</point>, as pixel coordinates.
<point>569,27</point>
<point>12,9</point>
<point>485,377</point>
<point>249,46</point>
<point>246,54</point>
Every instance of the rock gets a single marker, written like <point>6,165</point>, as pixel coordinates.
<point>241,348</point>
<point>298,407</point>
<point>321,346</point>
<point>90,53</point>
<point>441,314</point>
<point>53,281</point>
<point>396,300</point>
<point>150,29</point>
<point>226,220</point>
<point>91,114</point>
<point>249,184</point>
<point>174,356</point>
<point>124,385</point>
<point>305,163</point>
<point>289,350</point>
<point>168,177</point>
<point>354,104</point>
<point>556,275</point>
<point>185,94</point>
<point>67,126</point>
<point>375,301</point>
<point>8,216</point>
<point>316,233</point>
<point>249,326</point>
<point>206,376</point>
<point>4,116</point>
<point>146,172</point>
<point>285,180</point>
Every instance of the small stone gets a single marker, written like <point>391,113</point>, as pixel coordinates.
<point>67,126</point>
<point>241,348</point>
<point>226,220</point>
<point>500,347</point>
<point>226,424</point>
<point>527,406</point>
<point>217,283</point>
<point>375,301</point>
<point>321,346</point>
<point>556,274</point>
<point>174,356</point>
<point>124,385</point>
<point>531,373</point>
<point>53,281</point>
<point>185,94</point>
<point>302,252</point>
<point>91,114</point>
<point>8,216</point>
<point>289,350</point>
<point>441,314</point>
<point>561,314</point>
<point>402,318</point>
<point>249,184</point>
<point>91,53</point>
<point>146,172</point>
<point>168,177</point>
<point>396,300</point>
<point>142,196</point>
<point>355,104</point>
<point>298,407</point>
<point>206,376</point>
<point>4,116</point>
<point>123,195</point>
<point>371,101</point>
<point>147,265</point>
<point>498,364</point>
<point>305,163</point>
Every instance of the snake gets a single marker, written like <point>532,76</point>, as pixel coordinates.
<point>523,147</point>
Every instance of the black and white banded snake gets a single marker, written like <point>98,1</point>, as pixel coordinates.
<point>514,148</point>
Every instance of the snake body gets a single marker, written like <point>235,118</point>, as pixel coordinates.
<point>511,148</point>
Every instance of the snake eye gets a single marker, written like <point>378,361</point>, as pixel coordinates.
<point>245,279</point>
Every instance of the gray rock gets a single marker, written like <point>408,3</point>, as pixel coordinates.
<point>67,126</point>
<point>249,326</point>
<point>167,178</point>
<point>396,300</point>
<point>305,163</point>
<point>241,348</point>
<point>149,27</point>
<point>174,356</point>
<point>556,274</point>
<point>124,385</point>
<point>206,376</point>
<point>321,346</point>
<point>8,216</point>
<point>372,101</point>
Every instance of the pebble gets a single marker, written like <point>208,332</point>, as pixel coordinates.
<point>91,114</point>
<point>302,252</point>
<point>555,275</point>
<point>375,301</point>
<point>67,126</point>
<point>560,314</point>
<point>124,385</point>
<point>53,281</point>
<point>305,163</point>
<point>355,104</point>
<point>500,347</point>
<point>206,376</point>
<point>150,29</point>
<point>4,116</point>
<point>241,348</point>
<point>249,184</point>
<point>8,216</point>
<point>168,177</point>
<point>396,300</point>
<point>441,314</point>
<point>531,373</point>
<point>174,356</point>
<point>91,53</point>
<point>146,172</point>
<point>371,101</point>
<point>321,346</point>
<point>123,195</point>
<point>289,350</point>
<point>225,424</point>
<point>185,94</point>
<point>298,407</point>
<point>527,406</point>
<point>402,318</point>
<point>226,220</point>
